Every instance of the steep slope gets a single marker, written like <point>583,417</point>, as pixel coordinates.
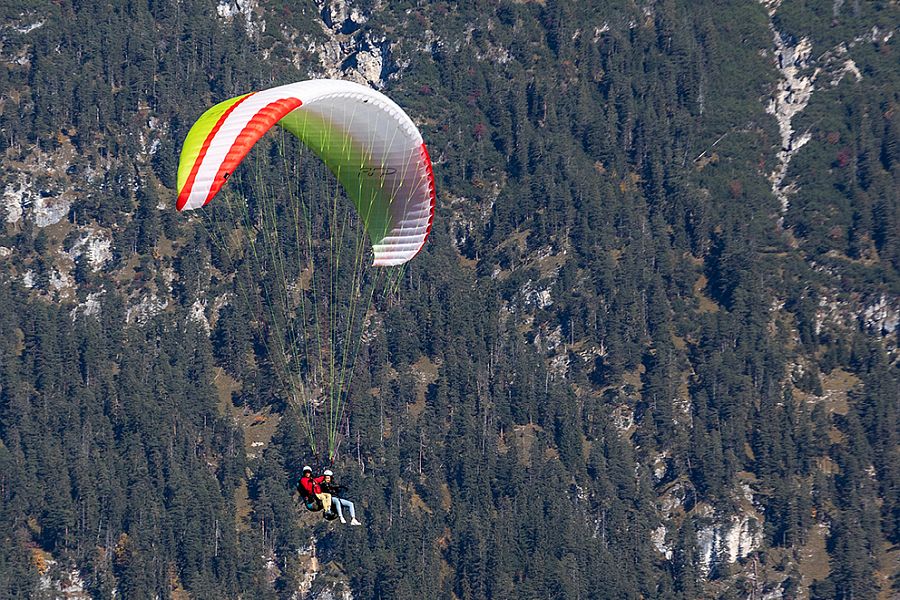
<point>650,350</point>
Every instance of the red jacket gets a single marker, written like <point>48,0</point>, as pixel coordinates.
<point>311,485</point>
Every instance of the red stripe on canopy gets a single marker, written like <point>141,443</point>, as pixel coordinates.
<point>432,193</point>
<point>257,127</point>
<point>189,184</point>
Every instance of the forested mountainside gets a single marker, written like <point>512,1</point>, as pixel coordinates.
<point>649,351</point>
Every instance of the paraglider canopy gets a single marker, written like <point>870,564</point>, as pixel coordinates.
<point>365,139</point>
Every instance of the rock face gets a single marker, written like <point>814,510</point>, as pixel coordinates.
<point>14,198</point>
<point>198,314</point>
<point>362,57</point>
<point>350,50</point>
<point>729,541</point>
<point>791,96</point>
<point>229,9</point>
<point>95,245</point>
<point>658,537</point>
<point>146,309</point>
<point>317,583</point>
<point>881,316</point>
<point>21,199</point>
<point>62,584</point>
<point>90,307</point>
<point>340,16</point>
<point>799,72</point>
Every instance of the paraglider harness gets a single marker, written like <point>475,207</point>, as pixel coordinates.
<point>312,502</point>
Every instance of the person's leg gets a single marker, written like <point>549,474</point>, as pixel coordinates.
<point>336,503</point>
<point>350,507</point>
<point>326,501</point>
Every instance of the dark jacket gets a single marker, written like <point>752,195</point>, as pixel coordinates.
<point>331,488</point>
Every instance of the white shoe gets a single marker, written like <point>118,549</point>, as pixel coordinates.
<point>355,522</point>
<point>343,520</point>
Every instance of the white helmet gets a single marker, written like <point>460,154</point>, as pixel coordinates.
<point>328,472</point>
<point>307,468</point>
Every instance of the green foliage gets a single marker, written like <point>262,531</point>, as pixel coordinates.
<point>609,309</point>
